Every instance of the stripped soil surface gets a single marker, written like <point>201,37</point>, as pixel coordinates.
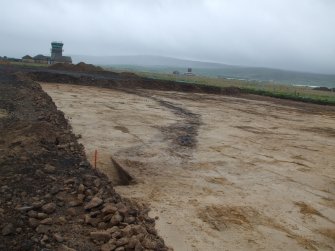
<point>219,172</point>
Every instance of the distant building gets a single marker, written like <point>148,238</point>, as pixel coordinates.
<point>189,72</point>
<point>27,59</point>
<point>41,59</point>
<point>11,59</point>
<point>57,54</point>
<point>7,60</point>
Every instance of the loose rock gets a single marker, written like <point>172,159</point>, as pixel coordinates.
<point>71,211</point>
<point>109,209</point>
<point>81,188</point>
<point>43,229</point>
<point>96,201</point>
<point>49,168</point>
<point>139,247</point>
<point>33,222</point>
<point>75,203</point>
<point>65,248</point>
<point>121,242</point>
<point>25,208</point>
<point>100,235</point>
<point>32,213</point>
<point>44,239</point>
<point>47,221</point>
<point>49,208</point>
<point>8,229</point>
<point>42,216</point>
<point>108,247</point>
<point>58,237</point>
<point>116,219</point>
<point>122,209</point>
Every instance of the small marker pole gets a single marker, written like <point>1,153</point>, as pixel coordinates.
<point>95,158</point>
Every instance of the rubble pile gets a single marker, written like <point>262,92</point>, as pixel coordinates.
<point>80,67</point>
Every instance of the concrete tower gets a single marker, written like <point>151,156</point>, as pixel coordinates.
<point>56,50</point>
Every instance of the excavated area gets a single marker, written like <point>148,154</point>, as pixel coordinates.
<point>50,196</point>
<point>219,172</point>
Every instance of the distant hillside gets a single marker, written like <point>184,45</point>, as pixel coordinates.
<point>168,65</point>
<point>144,60</point>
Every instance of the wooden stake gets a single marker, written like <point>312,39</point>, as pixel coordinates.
<point>95,158</point>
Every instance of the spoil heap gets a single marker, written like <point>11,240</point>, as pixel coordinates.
<point>127,81</point>
<point>50,197</point>
<point>80,67</point>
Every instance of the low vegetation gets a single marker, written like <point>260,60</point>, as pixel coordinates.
<point>291,92</point>
<point>26,64</point>
<point>298,93</point>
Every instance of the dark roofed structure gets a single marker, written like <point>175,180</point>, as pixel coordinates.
<point>62,59</point>
<point>41,59</point>
<point>27,57</point>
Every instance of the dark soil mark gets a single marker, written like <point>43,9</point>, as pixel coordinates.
<point>306,209</point>
<point>182,133</point>
<point>122,129</point>
<point>326,131</point>
<point>251,129</point>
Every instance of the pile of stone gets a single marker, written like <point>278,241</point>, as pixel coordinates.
<point>87,208</point>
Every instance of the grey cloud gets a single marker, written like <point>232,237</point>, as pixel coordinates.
<point>288,34</point>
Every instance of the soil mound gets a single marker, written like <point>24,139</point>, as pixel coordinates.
<point>80,67</point>
<point>129,81</point>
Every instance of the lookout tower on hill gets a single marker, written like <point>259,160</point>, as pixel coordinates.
<point>56,50</point>
<point>57,53</point>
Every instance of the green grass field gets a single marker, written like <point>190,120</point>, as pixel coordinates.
<point>298,93</point>
<point>29,64</point>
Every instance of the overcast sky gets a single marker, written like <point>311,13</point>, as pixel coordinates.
<point>287,34</point>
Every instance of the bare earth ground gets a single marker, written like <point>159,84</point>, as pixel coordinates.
<point>221,173</point>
